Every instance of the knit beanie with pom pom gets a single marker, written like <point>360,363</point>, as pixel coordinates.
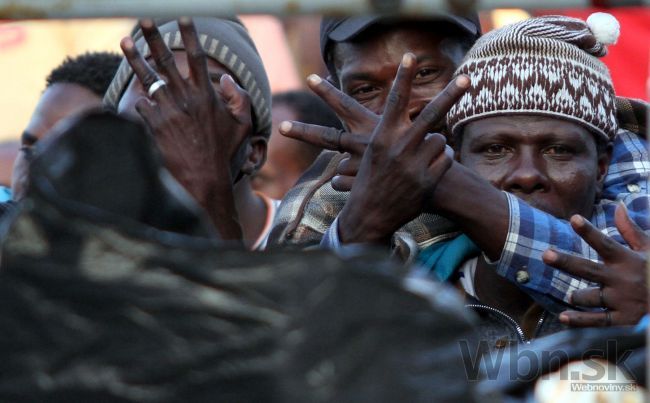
<point>542,66</point>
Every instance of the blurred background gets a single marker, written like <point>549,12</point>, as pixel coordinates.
<point>289,47</point>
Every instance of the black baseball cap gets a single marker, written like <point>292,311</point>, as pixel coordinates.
<point>333,30</point>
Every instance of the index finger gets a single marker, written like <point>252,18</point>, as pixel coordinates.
<point>196,58</point>
<point>328,138</point>
<point>439,106</point>
<point>347,108</point>
<point>577,266</point>
<point>607,248</point>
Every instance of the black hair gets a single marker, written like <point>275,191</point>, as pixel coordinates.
<point>93,70</point>
<point>308,108</point>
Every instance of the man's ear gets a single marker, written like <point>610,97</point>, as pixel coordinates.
<point>255,154</point>
<point>604,157</point>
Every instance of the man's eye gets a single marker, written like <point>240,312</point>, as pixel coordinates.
<point>558,150</point>
<point>365,89</point>
<point>494,149</point>
<point>426,72</point>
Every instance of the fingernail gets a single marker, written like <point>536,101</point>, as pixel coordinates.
<point>462,81</point>
<point>564,318</point>
<point>577,220</point>
<point>226,77</point>
<point>184,20</point>
<point>126,43</point>
<point>408,59</point>
<point>623,205</point>
<point>146,23</point>
<point>285,127</point>
<point>550,255</point>
<point>314,79</point>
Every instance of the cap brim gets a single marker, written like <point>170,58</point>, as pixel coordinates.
<point>352,27</point>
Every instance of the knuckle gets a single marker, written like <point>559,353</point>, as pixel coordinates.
<point>431,113</point>
<point>394,98</point>
<point>149,78</point>
<point>607,246</point>
<point>166,60</point>
<point>196,54</point>
<point>377,147</point>
<point>347,103</point>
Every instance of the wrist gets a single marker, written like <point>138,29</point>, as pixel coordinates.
<point>362,228</point>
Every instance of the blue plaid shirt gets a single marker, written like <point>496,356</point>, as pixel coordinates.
<point>532,231</point>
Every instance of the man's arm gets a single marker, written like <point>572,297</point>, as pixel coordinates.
<point>509,230</point>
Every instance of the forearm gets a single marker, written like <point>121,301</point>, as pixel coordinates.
<point>216,196</point>
<point>478,208</point>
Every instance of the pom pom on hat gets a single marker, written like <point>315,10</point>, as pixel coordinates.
<point>605,27</point>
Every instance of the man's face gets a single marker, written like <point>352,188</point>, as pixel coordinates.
<point>551,164</point>
<point>366,68</point>
<point>59,101</point>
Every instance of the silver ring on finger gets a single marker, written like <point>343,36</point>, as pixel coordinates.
<point>155,87</point>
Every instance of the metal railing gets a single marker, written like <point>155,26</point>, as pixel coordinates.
<point>21,9</point>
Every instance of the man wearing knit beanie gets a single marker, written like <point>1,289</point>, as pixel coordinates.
<point>223,72</point>
<point>506,228</point>
<point>536,85</point>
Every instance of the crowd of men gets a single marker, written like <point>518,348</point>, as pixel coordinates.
<point>501,163</point>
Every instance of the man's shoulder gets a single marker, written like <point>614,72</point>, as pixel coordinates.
<point>632,115</point>
<point>310,207</point>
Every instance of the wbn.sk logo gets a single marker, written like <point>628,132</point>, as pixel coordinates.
<point>519,363</point>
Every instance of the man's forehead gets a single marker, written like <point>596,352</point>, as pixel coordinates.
<point>527,126</point>
<point>387,46</point>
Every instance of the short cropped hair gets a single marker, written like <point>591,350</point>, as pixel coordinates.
<point>93,71</point>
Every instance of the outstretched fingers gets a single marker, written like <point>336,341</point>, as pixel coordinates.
<point>606,246</point>
<point>439,106</point>
<point>162,56</point>
<point>196,57</point>
<point>577,266</point>
<point>355,116</point>
<point>328,138</point>
<point>143,71</point>
<point>396,109</point>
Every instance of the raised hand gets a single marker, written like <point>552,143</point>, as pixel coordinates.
<point>358,121</point>
<point>402,164</point>
<point>199,129</point>
<point>623,294</point>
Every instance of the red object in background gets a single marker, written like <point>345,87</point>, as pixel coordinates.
<point>11,36</point>
<point>628,59</point>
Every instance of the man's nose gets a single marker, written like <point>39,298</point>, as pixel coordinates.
<point>527,175</point>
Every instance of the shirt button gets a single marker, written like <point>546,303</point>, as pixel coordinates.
<point>522,276</point>
<point>633,188</point>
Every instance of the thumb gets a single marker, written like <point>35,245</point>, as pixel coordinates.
<point>630,231</point>
<point>236,99</point>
